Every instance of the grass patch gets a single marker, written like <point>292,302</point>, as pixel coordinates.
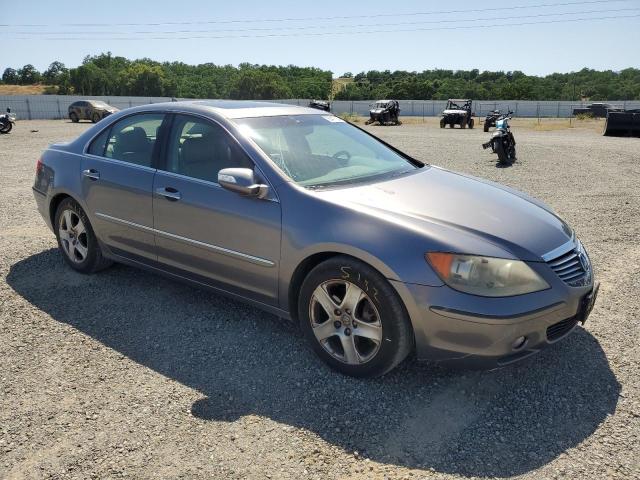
<point>350,117</point>
<point>24,89</point>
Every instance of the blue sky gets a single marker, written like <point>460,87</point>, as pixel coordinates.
<point>32,31</point>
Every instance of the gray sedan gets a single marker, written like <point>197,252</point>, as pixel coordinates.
<point>299,213</point>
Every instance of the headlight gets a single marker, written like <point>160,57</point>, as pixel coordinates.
<point>485,276</point>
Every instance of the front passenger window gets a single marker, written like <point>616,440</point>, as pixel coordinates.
<point>200,149</point>
<point>132,139</point>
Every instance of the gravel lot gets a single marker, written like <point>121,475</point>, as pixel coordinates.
<point>127,374</point>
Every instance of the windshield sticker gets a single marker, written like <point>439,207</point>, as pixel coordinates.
<point>333,119</point>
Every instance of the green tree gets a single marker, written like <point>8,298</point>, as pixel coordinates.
<point>143,80</point>
<point>10,76</point>
<point>28,75</point>
<point>55,71</point>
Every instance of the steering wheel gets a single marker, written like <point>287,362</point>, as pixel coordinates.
<point>343,157</point>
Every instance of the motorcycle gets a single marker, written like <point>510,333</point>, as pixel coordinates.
<point>6,121</point>
<point>502,142</point>
<point>490,119</point>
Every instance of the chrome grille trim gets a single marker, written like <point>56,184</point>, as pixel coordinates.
<point>569,266</point>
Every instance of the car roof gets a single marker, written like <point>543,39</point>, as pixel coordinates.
<point>236,108</point>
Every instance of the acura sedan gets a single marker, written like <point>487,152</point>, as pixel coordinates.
<point>377,255</point>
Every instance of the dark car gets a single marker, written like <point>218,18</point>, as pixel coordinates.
<point>309,217</point>
<point>94,110</point>
<point>596,110</point>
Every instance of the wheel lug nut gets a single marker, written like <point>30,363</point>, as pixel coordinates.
<point>348,312</point>
<point>347,331</point>
<point>337,311</point>
<point>337,324</point>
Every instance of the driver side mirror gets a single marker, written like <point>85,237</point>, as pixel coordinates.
<point>242,181</point>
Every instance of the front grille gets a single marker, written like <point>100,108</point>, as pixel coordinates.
<point>569,266</point>
<point>557,330</point>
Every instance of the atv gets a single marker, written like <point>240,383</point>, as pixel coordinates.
<point>385,112</point>
<point>457,112</point>
<point>490,119</point>
<point>320,105</point>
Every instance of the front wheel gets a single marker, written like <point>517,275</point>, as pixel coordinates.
<point>353,318</point>
<point>95,118</point>
<point>73,116</point>
<point>6,128</point>
<point>442,123</point>
<point>486,126</point>
<point>76,239</point>
<point>471,123</point>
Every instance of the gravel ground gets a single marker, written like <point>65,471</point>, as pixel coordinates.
<point>127,374</point>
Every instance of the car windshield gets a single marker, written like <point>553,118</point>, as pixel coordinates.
<point>323,150</point>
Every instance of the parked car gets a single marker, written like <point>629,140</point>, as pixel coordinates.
<point>94,110</point>
<point>297,212</point>
<point>596,110</point>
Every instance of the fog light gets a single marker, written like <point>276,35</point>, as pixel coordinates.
<point>519,342</point>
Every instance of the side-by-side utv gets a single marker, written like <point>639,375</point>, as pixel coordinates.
<point>320,105</point>
<point>457,112</point>
<point>385,112</point>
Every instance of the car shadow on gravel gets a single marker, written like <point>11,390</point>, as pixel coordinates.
<point>245,362</point>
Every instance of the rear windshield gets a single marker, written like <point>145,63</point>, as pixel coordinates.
<point>323,150</point>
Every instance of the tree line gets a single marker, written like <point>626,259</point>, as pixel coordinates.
<point>106,74</point>
<point>443,84</point>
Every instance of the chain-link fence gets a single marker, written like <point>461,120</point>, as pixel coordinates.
<point>32,107</point>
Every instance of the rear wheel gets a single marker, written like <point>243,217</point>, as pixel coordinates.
<point>353,318</point>
<point>76,239</point>
<point>506,155</point>
<point>95,118</point>
<point>74,117</point>
<point>471,123</point>
<point>463,123</point>
<point>486,126</point>
<point>442,123</point>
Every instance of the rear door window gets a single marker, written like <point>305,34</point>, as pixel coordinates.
<point>133,139</point>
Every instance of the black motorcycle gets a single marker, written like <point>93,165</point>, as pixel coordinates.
<point>6,121</point>
<point>490,119</point>
<point>502,142</point>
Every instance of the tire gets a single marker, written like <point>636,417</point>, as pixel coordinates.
<point>379,312</point>
<point>79,245</point>
<point>7,128</point>
<point>504,157</point>
<point>486,127</point>
<point>463,124</point>
<point>471,123</point>
<point>95,118</point>
<point>74,117</point>
<point>442,123</point>
<point>451,125</point>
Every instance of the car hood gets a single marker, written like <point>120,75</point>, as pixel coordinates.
<point>456,208</point>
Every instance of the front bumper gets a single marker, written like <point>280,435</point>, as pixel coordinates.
<point>481,332</point>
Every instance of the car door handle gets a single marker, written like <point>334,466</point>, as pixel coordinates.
<point>169,193</point>
<point>91,173</point>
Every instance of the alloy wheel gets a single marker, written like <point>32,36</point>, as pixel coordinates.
<point>345,321</point>
<point>73,236</point>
